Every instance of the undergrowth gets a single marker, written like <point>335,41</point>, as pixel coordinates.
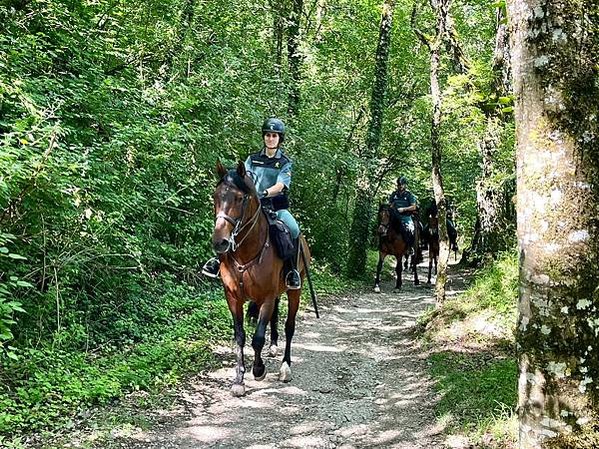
<point>471,342</point>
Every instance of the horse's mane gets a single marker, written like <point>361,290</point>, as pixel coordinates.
<point>233,178</point>
<point>395,220</point>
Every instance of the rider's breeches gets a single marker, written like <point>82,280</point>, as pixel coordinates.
<point>288,219</point>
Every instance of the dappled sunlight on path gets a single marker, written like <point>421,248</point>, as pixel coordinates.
<point>359,380</point>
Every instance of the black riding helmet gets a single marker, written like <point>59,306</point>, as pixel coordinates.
<point>402,180</point>
<point>274,125</point>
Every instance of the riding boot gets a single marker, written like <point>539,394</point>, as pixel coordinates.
<point>211,268</point>
<point>292,277</point>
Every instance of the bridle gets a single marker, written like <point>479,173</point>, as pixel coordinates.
<point>384,227</point>
<point>238,224</point>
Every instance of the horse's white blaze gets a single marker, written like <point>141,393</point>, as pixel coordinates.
<point>273,351</point>
<point>285,372</point>
<point>377,289</point>
<point>238,390</point>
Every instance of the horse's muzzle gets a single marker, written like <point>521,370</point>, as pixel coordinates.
<point>221,246</point>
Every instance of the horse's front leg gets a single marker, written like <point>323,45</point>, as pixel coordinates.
<point>398,270</point>
<point>379,267</point>
<point>236,308</point>
<point>294,300</point>
<point>258,369</point>
<point>415,268</point>
<point>274,330</point>
<point>430,266</point>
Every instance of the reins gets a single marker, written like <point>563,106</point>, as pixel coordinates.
<point>239,227</point>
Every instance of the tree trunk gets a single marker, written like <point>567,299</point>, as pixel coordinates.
<point>278,31</point>
<point>496,214</point>
<point>555,55</point>
<point>294,56</point>
<point>437,178</point>
<point>441,10</point>
<point>362,211</point>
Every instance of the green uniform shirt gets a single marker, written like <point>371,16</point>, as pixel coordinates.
<point>403,199</point>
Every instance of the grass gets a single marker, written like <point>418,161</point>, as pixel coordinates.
<point>478,392</point>
<point>471,343</point>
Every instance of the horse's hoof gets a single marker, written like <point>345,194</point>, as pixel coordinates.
<point>259,372</point>
<point>428,282</point>
<point>285,372</point>
<point>397,290</point>
<point>273,351</point>
<point>416,282</point>
<point>377,289</point>
<point>238,390</point>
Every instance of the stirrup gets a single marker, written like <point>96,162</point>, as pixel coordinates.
<point>292,276</point>
<point>211,269</point>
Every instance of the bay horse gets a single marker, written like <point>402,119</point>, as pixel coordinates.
<point>251,269</point>
<point>390,243</point>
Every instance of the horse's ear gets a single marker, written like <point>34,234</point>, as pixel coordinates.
<point>221,171</point>
<point>241,169</point>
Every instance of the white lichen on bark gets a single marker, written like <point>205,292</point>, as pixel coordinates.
<point>554,58</point>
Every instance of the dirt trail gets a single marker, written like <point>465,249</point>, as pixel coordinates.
<point>359,381</point>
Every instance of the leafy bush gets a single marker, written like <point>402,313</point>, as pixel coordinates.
<point>8,284</point>
<point>48,386</point>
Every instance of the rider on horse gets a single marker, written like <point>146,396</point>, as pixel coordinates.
<point>403,204</point>
<point>270,169</point>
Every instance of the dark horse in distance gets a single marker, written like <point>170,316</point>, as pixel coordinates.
<point>390,243</point>
<point>431,236</point>
<point>251,269</point>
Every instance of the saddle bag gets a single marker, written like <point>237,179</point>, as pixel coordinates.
<point>280,236</point>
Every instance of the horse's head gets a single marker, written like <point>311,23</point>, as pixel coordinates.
<point>433,224</point>
<point>384,219</point>
<point>236,206</point>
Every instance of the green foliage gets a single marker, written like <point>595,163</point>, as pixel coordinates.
<point>477,390</point>
<point>8,284</point>
<point>472,359</point>
<point>496,286</point>
<point>112,116</point>
<point>48,386</point>
<point>491,299</point>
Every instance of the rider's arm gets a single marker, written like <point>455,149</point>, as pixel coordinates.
<point>275,190</point>
<point>410,208</point>
<point>391,200</point>
<point>283,181</point>
<point>249,168</point>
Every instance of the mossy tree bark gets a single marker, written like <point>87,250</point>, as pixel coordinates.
<point>364,191</point>
<point>555,55</point>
